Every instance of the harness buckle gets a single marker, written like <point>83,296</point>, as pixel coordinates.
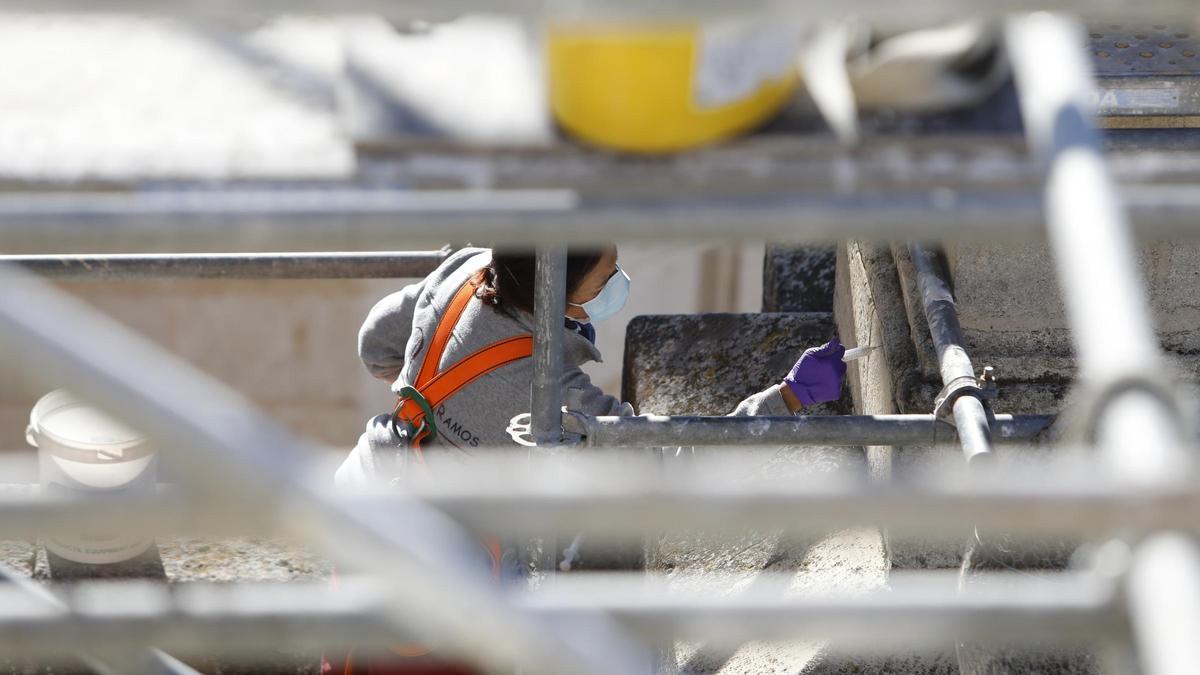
<point>427,423</point>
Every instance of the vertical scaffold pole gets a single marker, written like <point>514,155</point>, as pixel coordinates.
<point>549,303</point>
<point>1132,415</point>
<point>1116,347</point>
<point>970,416</point>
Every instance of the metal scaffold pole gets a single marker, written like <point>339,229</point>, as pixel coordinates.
<point>549,304</point>
<point>1131,412</point>
<point>823,430</point>
<point>328,265</point>
<point>408,555</point>
<point>226,447</point>
<point>961,392</point>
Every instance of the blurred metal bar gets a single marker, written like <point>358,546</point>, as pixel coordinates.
<point>958,375</point>
<point>628,509</point>
<point>359,219</point>
<point>239,620</point>
<point>228,450</point>
<point>550,304</point>
<point>892,15</point>
<point>1121,372</point>
<point>162,663</point>
<point>1126,393</point>
<point>825,430</point>
<point>332,265</point>
<point>35,592</point>
<point>1164,604</point>
<point>614,500</point>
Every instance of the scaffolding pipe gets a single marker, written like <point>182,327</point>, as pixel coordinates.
<point>238,621</point>
<point>1065,501</point>
<point>331,265</point>
<point>549,305</point>
<point>826,430</point>
<point>360,219</point>
<point>893,16</point>
<point>970,414</point>
<point>157,661</point>
<point>1164,603</point>
<point>229,451</point>
<point>1129,402</point>
<point>1120,368</point>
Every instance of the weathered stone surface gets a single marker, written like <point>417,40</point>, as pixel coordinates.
<point>704,364</point>
<point>872,308</point>
<point>1011,320</point>
<point>798,278</point>
<point>1013,316</point>
<point>988,563</point>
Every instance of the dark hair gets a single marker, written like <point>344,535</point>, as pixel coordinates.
<point>508,279</point>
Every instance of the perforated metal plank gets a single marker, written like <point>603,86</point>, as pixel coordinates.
<point>1149,75</point>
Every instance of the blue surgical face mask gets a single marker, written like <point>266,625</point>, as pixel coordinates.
<point>611,298</point>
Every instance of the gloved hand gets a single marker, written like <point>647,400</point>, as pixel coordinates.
<point>817,376</point>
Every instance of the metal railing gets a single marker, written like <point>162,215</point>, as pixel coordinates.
<point>339,265</point>
<point>416,549</point>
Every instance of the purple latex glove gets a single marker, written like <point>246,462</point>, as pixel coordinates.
<point>817,376</point>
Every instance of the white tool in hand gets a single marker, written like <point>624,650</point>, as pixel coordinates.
<point>858,352</point>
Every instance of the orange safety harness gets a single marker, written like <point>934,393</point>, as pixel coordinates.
<point>417,403</point>
<point>415,408</point>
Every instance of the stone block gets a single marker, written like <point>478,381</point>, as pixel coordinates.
<point>798,278</point>
<point>877,304</point>
<point>704,364</point>
<point>1013,316</point>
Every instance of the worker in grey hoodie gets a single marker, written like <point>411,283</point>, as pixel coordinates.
<point>395,338</point>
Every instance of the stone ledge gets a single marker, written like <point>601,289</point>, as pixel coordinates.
<point>705,364</point>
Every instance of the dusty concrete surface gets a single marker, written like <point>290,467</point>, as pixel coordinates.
<point>101,97</point>
<point>798,278</point>
<point>191,560</point>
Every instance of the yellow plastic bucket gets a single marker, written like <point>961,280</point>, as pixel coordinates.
<point>667,87</point>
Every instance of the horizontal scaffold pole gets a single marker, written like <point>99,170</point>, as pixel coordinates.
<point>361,219</point>
<point>833,430</point>
<point>327,265</point>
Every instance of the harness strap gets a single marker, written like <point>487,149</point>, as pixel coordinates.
<point>451,380</point>
<point>441,335</point>
<point>433,388</point>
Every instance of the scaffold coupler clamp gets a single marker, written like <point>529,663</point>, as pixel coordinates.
<point>520,429</point>
<point>982,387</point>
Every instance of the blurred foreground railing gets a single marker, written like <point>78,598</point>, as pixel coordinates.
<point>411,554</point>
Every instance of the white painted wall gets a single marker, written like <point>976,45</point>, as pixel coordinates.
<point>678,280</point>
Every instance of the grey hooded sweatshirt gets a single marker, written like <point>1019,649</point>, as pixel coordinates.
<point>392,344</point>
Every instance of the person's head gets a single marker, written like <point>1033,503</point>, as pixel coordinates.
<point>509,279</point>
